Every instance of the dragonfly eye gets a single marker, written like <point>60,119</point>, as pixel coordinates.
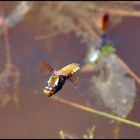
<point>47,87</point>
<point>49,90</point>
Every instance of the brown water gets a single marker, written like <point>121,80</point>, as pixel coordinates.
<point>41,117</point>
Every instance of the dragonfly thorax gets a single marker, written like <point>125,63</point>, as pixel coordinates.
<point>53,80</point>
<point>54,84</point>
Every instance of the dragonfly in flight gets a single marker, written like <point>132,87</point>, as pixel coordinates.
<point>58,78</point>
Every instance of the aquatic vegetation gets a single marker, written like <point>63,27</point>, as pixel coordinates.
<point>9,90</point>
<point>107,84</point>
<point>66,17</point>
<point>17,15</point>
<point>112,87</point>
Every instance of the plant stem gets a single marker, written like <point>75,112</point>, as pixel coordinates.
<point>93,111</point>
<point>116,130</point>
<point>7,47</point>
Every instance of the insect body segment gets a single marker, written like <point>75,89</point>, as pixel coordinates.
<point>69,70</point>
<point>58,78</point>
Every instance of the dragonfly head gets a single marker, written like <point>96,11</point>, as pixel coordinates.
<point>49,90</point>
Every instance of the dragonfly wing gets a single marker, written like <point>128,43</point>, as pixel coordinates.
<point>46,68</point>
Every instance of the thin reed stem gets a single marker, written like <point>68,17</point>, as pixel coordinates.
<point>93,111</point>
<point>7,47</point>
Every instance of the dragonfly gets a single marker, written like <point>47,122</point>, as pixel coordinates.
<point>58,78</point>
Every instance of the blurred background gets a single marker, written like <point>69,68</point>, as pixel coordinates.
<point>56,32</point>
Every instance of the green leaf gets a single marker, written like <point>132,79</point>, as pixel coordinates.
<point>107,50</point>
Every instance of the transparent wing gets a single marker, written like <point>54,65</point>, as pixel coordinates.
<point>46,67</point>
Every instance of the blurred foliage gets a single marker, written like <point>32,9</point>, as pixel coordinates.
<point>10,75</point>
<point>107,50</point>
<point>113,88</point>
<point>68,16</point>
<point>78,17</point>
<point>90,134</point>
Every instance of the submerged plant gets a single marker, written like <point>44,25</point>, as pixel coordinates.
<point>66,17</point>
<point>9,88</point>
